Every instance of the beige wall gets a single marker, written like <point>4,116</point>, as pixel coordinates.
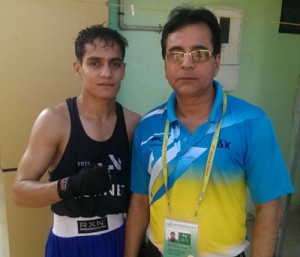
<point>36,55</point>
<point>3,221</point>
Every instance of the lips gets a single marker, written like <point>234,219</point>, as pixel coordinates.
<point>105,85</point>
<point>187,78</point>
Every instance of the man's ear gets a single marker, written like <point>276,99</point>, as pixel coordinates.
<point>217,64</point>
<point>124,69</point>
<point>77,68</point>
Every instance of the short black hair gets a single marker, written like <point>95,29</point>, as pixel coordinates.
<point>89,34</point>
<point>182,16</point>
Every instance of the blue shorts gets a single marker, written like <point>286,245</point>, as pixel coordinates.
<point>110,244</point>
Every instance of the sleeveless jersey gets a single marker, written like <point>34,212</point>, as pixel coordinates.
<point>81,151</point>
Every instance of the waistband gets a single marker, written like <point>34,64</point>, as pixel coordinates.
<point>65,226</point>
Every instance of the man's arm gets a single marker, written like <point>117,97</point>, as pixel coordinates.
<point>43,148</point>
<point>136,224</point>
<point>266,225</point>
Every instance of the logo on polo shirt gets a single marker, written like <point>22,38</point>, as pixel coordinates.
<point>224,144</point>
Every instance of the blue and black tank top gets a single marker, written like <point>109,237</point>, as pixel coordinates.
<point>81,150</point>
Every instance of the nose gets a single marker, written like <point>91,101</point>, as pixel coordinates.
<point>187,61</point>
<point>105,71</point>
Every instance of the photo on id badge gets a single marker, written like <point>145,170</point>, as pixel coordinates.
<point>178,244</point>
<point>180,239</point>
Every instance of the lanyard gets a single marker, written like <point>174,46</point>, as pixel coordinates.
<point>209,161</point>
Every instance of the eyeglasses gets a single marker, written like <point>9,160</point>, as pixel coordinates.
<point>196,56</point>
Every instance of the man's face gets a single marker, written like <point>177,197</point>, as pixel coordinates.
<point>102,69</point>
<point>189,78</point>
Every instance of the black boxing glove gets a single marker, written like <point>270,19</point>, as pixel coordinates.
<point>90,180</point>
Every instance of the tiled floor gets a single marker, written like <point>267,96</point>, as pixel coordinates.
<point>291,243</point>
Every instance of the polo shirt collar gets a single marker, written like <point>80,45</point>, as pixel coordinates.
<point>216,112</point>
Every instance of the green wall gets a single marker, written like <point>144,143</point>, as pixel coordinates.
<point>269,61</point>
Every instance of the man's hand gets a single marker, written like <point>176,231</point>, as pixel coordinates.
<point>91,180</point>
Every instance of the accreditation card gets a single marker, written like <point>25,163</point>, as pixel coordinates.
<point>180,238</point>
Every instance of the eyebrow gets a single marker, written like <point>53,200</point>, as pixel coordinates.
<point>94,58</point>
<point>180,49</point>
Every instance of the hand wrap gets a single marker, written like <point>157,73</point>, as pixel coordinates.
<point>91,180</point>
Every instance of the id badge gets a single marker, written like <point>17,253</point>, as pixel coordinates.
<point>180,238</point>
